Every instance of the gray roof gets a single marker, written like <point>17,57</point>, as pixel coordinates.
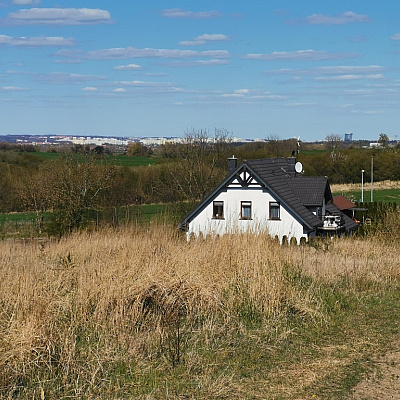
<point>311,190</point>
<point>279,175</point>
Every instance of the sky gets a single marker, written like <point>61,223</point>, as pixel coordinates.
<point>257,69</point>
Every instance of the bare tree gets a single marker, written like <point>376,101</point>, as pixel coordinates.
<point>197,162</point>
<point>333,141</point>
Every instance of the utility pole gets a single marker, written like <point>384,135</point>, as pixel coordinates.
<point>362,186</point>
<point>372,179</point>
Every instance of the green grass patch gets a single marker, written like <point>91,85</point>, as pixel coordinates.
<point>379,195</point>
<point>25,224</point>
<point>118,159</point>
<point>18,217</point>
<point>314,151</point>
<point>46,156</point>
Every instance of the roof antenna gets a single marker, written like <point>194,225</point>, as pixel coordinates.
<point>297,151</point>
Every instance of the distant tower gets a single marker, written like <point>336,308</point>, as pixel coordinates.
<point>348,137</point>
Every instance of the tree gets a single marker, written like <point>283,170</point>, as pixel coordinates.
<point>383,140</point>
<point>197,163</point>
<point>333,141</point>
<point>36,192</point>
<point>77,185</point>
<point>137,149</point>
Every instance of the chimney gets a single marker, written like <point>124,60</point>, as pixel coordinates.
<point>232,164</point>
<point>291,164</point>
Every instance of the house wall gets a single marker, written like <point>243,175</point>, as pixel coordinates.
<point>232,197</point>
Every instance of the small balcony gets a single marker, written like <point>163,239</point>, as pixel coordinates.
<point>331,222</point>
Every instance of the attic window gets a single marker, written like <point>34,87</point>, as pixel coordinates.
<point>218,210</point>
<point>274,210</point>
<point>245,210</point>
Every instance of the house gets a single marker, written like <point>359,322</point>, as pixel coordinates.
<point>269,195</point>
<point>349,208</point>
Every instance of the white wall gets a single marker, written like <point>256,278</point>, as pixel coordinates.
<point>232,197</point>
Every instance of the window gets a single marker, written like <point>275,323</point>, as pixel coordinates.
<point>218,210</point>
<point>274,210</point>
<point>245,210</point>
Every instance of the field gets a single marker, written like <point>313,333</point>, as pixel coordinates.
<point>385,191</point>
<point>24,224</point>
<point>140,313</point>
<point>118,159</point>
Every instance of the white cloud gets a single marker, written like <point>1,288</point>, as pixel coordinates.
<point>65,78</point>
<point>200,63</point>
<point>252,95</point>
<point>119,90</point>
<point>215,53</point>
<point>204,39</point>
<point>76,61</point>
<point>89,89</point>
<point>59,16</point>
<point>128,67</point>
<point>36,41</point>
<point>212,62</point>
<point>345,18</point>
<point>12,88</point>
<point>138,83</point>
<point>150,87</point>
<point>368,112</point>
<point>337,70</point>
<point>232,95</point>
<point>131,52</point>
<point>300,55</point>
<point>179,13</point>
<point>300,104</point>
<point>395,37</point>
<point>26,2</point>
<point>349,77</point>
<point>242,91</point>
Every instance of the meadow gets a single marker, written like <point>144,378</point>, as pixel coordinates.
<point>117,159</point>
<point>384,191</point>
<point>139,312</point>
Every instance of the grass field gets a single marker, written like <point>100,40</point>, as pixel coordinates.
<point>380,195</point>
<point>118,159</point>
<point>24,224</point>
<point>141,313</point>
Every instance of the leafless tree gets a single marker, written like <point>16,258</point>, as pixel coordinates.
<point>198,161</point>
<point>333,141</point>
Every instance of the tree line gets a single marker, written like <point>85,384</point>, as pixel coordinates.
<point>77,188</point>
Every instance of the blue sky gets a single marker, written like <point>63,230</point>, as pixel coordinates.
<point>258,69</point>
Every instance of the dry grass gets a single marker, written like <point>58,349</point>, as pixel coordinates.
<point>130,311</point>
<point>347,187</point>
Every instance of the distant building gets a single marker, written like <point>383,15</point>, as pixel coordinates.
<point>348,137</point>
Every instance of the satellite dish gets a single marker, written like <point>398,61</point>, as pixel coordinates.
<point>298,167</point>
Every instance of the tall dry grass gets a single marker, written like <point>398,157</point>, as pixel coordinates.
<point>72,310</point>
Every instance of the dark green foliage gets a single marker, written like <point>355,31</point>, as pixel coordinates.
<point>175,173</point>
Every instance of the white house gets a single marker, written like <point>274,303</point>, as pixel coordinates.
<point>269,195</point>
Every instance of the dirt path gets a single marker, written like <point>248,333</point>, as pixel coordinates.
<point>383,382</point>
